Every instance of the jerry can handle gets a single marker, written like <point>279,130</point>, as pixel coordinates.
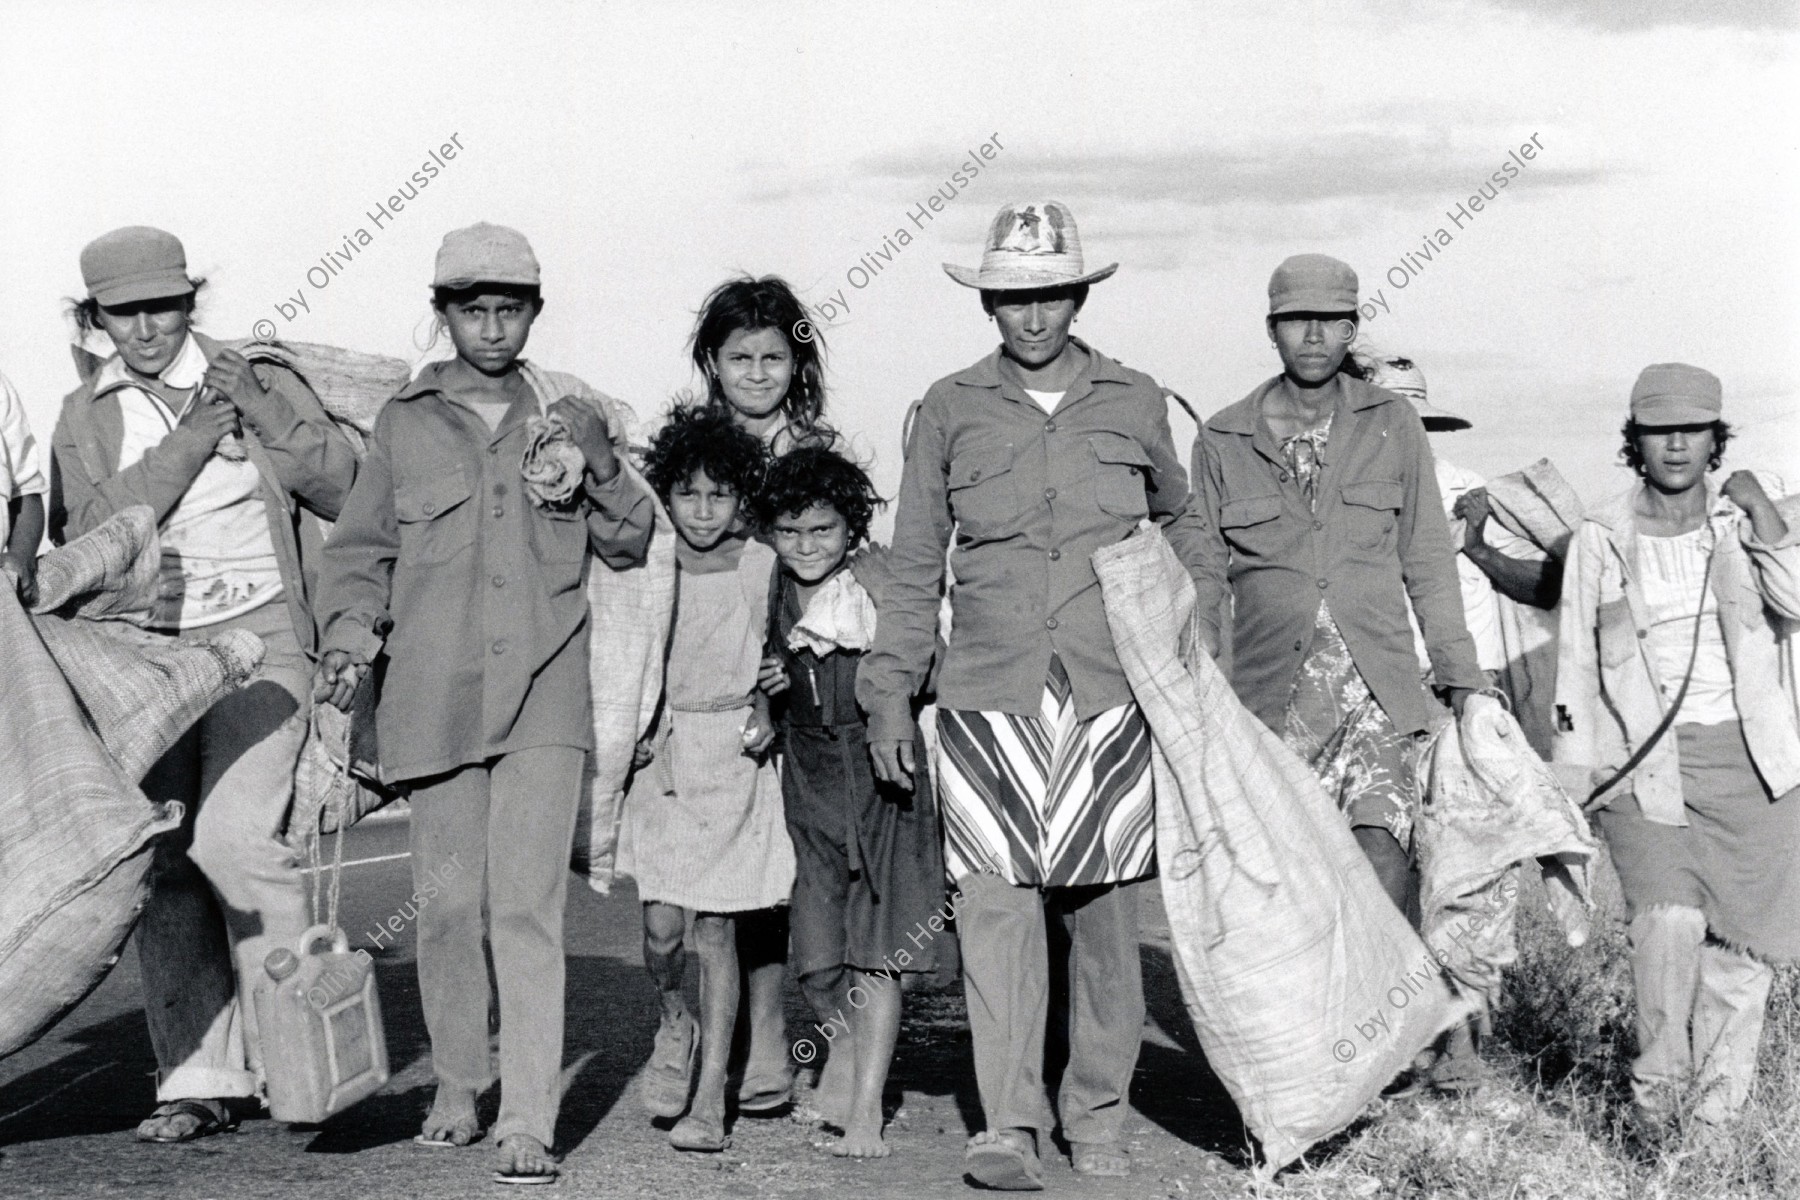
<point>329,933</point>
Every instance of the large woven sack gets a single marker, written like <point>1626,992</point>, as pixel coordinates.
<point>90,705</point>
<point>629,617</point>
<point>1307,988</point>
<point>1490,803</point>
<point>351,385</point>
<point>1538,504</point>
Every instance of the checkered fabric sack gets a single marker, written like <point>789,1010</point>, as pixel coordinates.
<point>90,705</point>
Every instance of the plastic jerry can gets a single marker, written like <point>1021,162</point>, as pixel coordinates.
<point>318,1021</point>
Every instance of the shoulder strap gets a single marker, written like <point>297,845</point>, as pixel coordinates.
<point>1662,727</point>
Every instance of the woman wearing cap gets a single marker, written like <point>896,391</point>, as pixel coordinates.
<point>1673,598</point>
<point>1325,503</point>
<point>1027,462</point>
<point>239,465</point>
<point>474,590</point>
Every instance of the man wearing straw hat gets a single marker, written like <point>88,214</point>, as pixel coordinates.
<point>1027,462</point>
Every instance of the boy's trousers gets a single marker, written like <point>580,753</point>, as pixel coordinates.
<point>498,831</point>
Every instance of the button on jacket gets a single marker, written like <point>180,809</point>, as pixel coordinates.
<point>1375,539</point>
<point>477,594</point>
<point>1028,497</point>
<point>1609,694</point>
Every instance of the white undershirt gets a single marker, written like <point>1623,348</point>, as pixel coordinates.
<point>1047,400</point>
<point>1673,568</point>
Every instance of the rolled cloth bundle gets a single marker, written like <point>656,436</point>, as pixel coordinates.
<point>90,706</point>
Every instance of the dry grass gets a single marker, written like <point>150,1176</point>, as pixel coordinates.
<point>1557,1122</point>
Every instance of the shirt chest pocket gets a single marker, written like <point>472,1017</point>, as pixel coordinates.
<point>1121,476</point>
<point>1617,634</point>
<point>436,519</point>
<point>983,490</point>
<point>1371,511</point>
<point>1249,525</point>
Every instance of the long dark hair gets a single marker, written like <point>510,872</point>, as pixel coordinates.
<point>767,303</point>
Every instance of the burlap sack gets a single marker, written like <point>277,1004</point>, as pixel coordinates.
<point>1489,803</point>
<point>1307,988</point>
<point>1538,504</point>
<point>90,706</point>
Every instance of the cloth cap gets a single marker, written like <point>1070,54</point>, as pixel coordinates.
<point>1676,394</point>
<point>485,253</point>
<point>1403,377</point>
<point>1029,246</point>
<point>1312,283</point>
<point>134,263</point>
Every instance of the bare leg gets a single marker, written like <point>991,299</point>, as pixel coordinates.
<point>832,1098</point>
<point>715,937</point>
<point>665,955</point>
<point>875,1022</point>
<point>1385,854</point>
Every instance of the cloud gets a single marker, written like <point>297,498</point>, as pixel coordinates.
<point>1631,16</point>
<point>1385,166</point>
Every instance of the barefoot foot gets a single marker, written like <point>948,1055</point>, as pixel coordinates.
<point>451,1123</point>
<point>862,1139</point>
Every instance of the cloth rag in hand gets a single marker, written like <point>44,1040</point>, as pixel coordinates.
<point>840,616</point>
<point>553,464</point>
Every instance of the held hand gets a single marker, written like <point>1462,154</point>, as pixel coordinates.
<point>893,762</point>
<point>588,430</point>
<point>23,570</point>
<point>1746,491</point>
<point>1473,508</point>
<point>336,679</point>
<point>212,418</point>
<point>231,375</point>
<point>772,676</point>
<point>759,734</point>
<point>1459,699</point>
<point>642,755</point>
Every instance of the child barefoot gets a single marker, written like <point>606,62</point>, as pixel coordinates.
<point>870,872</point>
<point>477,595</point>
<point>703,829</point>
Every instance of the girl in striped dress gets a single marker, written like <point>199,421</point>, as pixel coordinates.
<point>703,833</point>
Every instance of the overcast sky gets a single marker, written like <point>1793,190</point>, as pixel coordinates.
<point>648,151</point>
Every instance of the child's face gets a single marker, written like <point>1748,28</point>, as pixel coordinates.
<point>755,367</point>
<point>704,512</point>
<point>811,543</point>
<point>490,331</point>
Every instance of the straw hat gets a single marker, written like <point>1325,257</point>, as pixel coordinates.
<point>1033,245</point>
<point>1402,377</point>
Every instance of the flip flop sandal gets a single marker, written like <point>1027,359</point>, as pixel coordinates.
<point>1099,1159</point>
<point>507,1175</point>
<point>210,1122</point>
<point>1003,1167</point>
<point>444,1141</point>
<point>695,1135</point>
<point>765,1100</point>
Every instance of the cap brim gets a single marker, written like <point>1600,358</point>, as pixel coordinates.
<point>1314,306</point>
<point>1020,282</point>
<point>134,290</point>
<point>1437,419</point>
<point>1675,416</point>
<point>464,284</point>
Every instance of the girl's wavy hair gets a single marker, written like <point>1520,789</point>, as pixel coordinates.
<point>767,303</point>
<point>1634,456</point>
<point>816,474</point>
<point>702,438</point>
<point>85,312</point>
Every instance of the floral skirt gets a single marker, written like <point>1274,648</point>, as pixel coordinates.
<point>1334,723</point>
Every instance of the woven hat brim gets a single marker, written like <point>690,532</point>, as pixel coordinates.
<point>1019,281</point>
